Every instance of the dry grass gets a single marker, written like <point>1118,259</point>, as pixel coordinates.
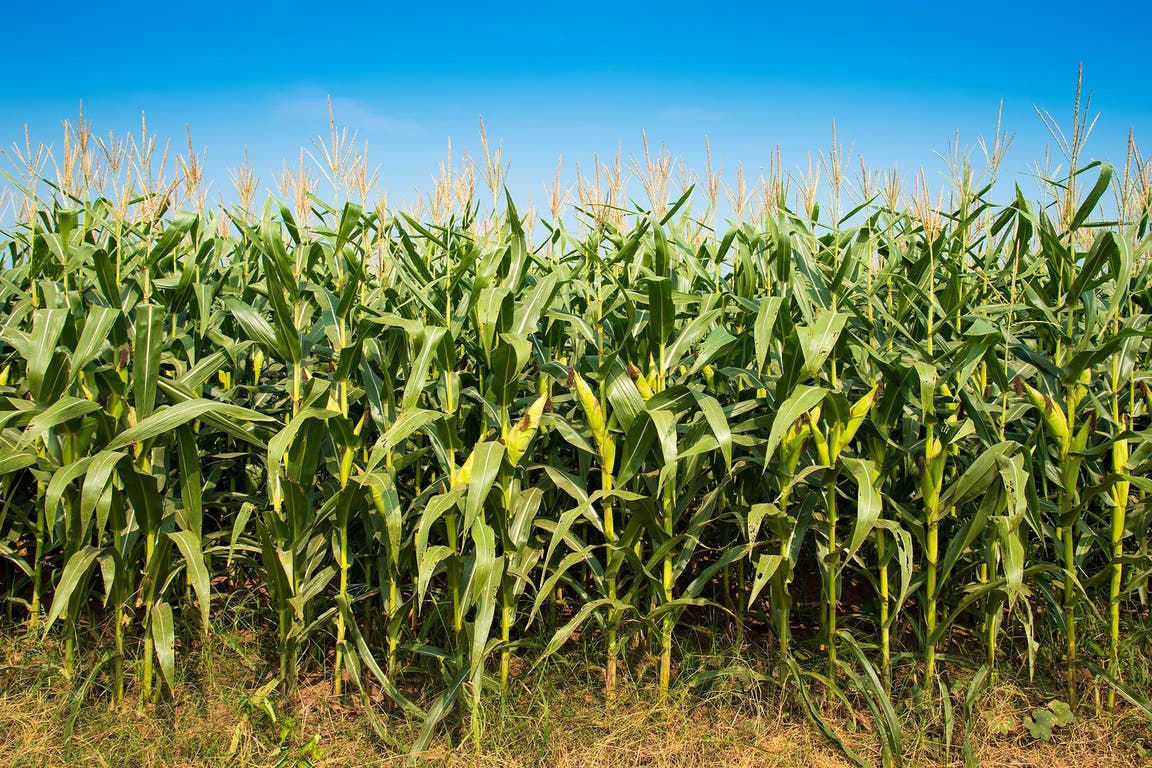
<point>218,718</point>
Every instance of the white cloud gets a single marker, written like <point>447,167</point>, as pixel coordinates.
<point>356,114</point>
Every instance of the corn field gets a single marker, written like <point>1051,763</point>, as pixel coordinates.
<point>874,445</point>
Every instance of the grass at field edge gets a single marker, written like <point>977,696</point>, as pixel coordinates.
<point>220,717</point>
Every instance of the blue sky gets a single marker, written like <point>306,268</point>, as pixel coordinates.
<point>576,79</point>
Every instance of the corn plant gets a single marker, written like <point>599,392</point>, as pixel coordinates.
<point>439,451</point>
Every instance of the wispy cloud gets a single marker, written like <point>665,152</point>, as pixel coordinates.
<point>690,115</point>
<point>357,114</point>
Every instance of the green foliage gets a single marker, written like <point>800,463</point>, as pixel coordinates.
<point>1043,721</point>
<point>430,446</point>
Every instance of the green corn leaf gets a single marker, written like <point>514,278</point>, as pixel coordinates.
<point>74,576</point>
<point>180,225</point>
<point>191,480</point>
<point>168,418</point>
<point>718,423</point>
<point>717,342</point>
<point>97,328</point>
<point>766,567</point>
<point>426,340</point>
<point>762,329</point>
<point>802,400</point>
<point>257,328</point>
<point>693,331</point>
<point>486,458</point>
<point>164,640</point>
<point>198,574</point>
<point>60,412</point>
<point>146,349</point>
<point>1093,197</point>
<point>487,570</point>
<point>47,326</point>
<point>407,424</point>
<point>96,481</point>
<point>661,312</point>
<point>818,339</point>
<point>14,462</point>
<point>869,505</point>
<point>976,477</point>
